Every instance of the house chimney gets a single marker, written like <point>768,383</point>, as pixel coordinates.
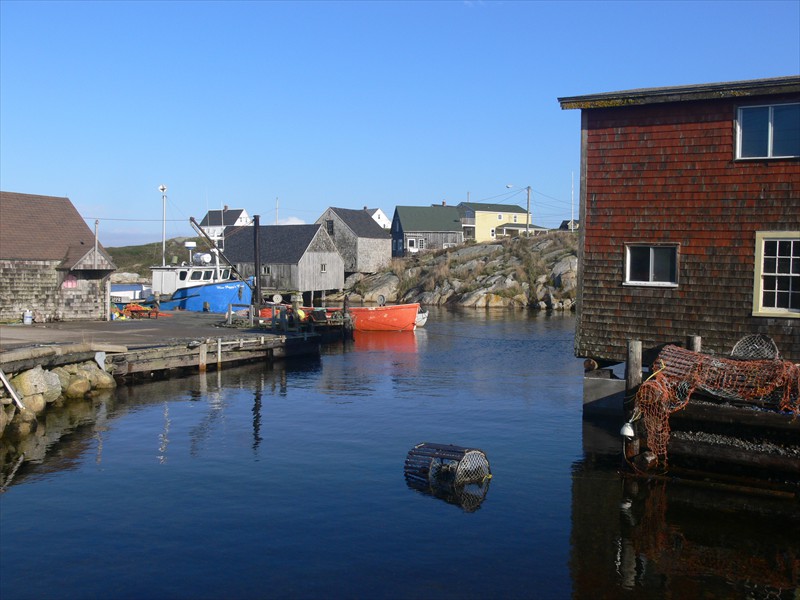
<point>365,208</point>
<point>444,202</point>
<point>225,207</point>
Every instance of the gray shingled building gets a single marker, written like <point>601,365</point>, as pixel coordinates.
<point>294,258</point>
<point>50,262</point>
<point>364,245</point>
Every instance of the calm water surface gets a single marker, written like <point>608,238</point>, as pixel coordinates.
<point>287,482</point>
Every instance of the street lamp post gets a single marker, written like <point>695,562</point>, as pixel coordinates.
<point>163,189</point>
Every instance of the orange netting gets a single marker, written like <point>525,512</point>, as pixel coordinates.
<point>770,383</point>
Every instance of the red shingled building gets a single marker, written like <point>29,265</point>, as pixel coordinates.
<point>690,216</point>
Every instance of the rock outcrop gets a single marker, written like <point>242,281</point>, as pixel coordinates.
<point>540,272</point>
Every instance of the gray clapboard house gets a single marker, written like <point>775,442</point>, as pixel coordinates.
<point>421,228</point>
<point>294,258</point>
<point>50,262</point>
<point>364,245</point>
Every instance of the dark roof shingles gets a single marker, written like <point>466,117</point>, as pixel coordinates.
<point>34,227</point>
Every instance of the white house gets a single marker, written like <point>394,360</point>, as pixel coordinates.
<point>215,222</point>
<point>379,217</point>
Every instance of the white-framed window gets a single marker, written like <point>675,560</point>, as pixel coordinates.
<point>323,268</point>
<point>412,243</point>
<point>266,270</point>
<point>499,216</point>
<point>515,218</point>
<point>422,243</point>
<point>650,264</point>
<point>776,286</point>
<point>196,276</point>
<point>492,232</point>
<point>769,131</point>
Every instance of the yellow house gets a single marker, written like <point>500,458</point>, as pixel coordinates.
<point>487,222</point>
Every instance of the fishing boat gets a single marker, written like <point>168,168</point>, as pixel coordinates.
<point>200,286</point>
<point>396,317</point>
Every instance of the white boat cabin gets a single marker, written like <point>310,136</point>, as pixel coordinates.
<point>170,278</point>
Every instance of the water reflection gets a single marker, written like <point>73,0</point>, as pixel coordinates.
<point>672,538</point>
<point>330,511</point>
<point>67,431</point>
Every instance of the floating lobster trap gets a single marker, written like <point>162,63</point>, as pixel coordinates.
<point>455,474</point>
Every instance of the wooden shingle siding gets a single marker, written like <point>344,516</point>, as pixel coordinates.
<point>666,173</point>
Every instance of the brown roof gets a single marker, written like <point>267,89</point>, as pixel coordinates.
<point>43,228</point>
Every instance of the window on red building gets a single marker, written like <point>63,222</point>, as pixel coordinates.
<point>768,131</point>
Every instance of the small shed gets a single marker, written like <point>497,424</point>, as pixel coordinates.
<point>293,258</point>
<point>50,261</point>
<point>364,245</point>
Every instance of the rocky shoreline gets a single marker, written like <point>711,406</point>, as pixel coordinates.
<point>37,388</point>
<point>539,273</point>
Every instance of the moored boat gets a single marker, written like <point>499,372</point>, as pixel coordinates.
<point>422,317</point>
<point>199,286</point>
<point>396,317</point>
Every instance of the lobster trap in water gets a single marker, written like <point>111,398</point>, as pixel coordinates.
<point>453,473</point>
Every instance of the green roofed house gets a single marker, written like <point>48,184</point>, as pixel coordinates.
<point>419,228</point>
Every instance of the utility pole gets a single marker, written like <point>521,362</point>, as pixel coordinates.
<point>572,203</point>
<point>276,211</point>
<point>528,222</point>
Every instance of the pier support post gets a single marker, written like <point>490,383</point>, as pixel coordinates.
<point>201,361</point>
<point>694,343</point>
<point>633,379</point>
<point>633,375</point>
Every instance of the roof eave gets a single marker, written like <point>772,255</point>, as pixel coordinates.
<point>712,91</point>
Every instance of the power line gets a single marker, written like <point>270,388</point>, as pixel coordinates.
<point>133,220</point>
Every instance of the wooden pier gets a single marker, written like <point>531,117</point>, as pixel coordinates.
<point>184,355</point>
<point>731,418</point>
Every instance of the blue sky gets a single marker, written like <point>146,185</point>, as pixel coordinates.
<point>305,105</point>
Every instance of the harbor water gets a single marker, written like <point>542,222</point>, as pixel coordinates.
<point>286,481</point>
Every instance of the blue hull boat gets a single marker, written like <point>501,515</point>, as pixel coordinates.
<point>212,297</point>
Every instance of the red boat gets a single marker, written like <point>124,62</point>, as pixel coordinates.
<point>396,317</point>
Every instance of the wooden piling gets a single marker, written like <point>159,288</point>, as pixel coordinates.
<point>202,360</point>
<point>633,379</point>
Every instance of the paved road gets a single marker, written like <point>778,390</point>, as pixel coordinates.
<point>171,326</point>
